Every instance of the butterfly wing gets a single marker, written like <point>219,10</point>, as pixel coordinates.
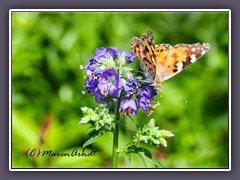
<point>179,57</point>
<point>163,61</point>
<point>162,51</point>
<point>144,48</point>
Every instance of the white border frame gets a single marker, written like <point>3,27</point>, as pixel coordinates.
<point>115,10</point>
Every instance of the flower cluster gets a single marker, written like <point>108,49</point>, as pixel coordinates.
<point>100,118</point>
<point>110,78</point>
<point>152,134</point>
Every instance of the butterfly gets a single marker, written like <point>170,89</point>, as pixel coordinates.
<point>160,62</point>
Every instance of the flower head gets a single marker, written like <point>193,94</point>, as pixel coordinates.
<point>130,56</point>
<point>102,80</point>
<point>110,84</point>
<point>128,105</point>
<point>109,77</point>
<point>145,97</point>
<point>130,85</point>
<point>101,54</point>
<point>151,133</point>
<point>99,118</point>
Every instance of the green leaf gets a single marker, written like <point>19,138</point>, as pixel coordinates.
<point>135,149</point>
<point>120,122</point>
<point>158,164</point>
<point>92,133</point>
<point>144,156</point>
<point>142,159</point>
<point>92,140</point>
<point>145,151</point>
<point>128,157</point>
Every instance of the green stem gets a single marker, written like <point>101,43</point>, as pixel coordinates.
<point>115,136</point>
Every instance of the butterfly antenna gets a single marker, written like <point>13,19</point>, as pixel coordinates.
<point>183,100</point>
<point>180,98</point>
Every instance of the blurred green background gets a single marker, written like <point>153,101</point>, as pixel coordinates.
<point>47,84</point>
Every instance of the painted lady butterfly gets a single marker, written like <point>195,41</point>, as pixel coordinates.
<point>163,61</point>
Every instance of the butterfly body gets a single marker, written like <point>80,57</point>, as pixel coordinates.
<point>163,61</point>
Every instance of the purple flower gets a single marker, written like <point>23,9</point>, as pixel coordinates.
<point>104,83</point>
<point>110,84</point>
<point>91,85</point>
<point>99,98</point>
<point>112,51</point>
<point>93,71</point>
<point>130,56</point>
<point>130,87</point>
<point>100,55</point>
<point>100,52</point>
<point>92,81</point>
<point>128,105</point>
<point>92,67</point>
<point>145,97</point>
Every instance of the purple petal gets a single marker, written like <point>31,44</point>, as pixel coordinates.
<point>110,83</point>
<point>128,105</point>
<point>113,52</point>
<point>130,56</point>
<point>100,51</point>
